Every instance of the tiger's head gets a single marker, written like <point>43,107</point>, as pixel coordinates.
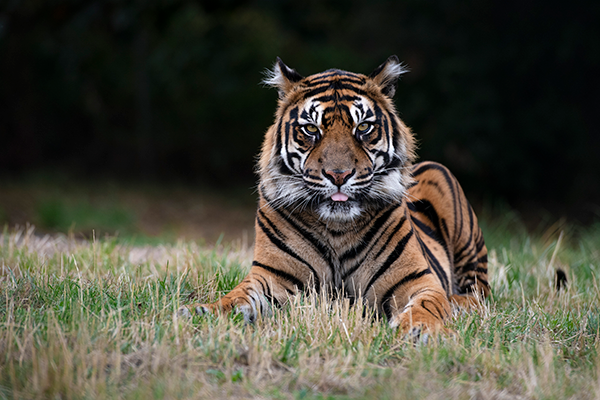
<point>337,146</point>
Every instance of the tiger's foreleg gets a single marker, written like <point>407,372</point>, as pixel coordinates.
<point>253,297</point>
<point>423,308</point>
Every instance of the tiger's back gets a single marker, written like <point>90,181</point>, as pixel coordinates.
<point>342,207</point>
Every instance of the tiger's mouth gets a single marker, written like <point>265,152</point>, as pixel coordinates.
<point>337,200</point>
<point>340,200</point>
<point>339,206</point>
<point>338,210</point>
<point>339,196</point>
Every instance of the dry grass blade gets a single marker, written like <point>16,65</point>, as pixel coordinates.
<point>95,319</point>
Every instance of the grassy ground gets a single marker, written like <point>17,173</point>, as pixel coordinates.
<point>94,318</point>
<point>139,213</point>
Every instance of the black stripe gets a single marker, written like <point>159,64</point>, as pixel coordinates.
<point>293,113</point>
<point>325,79</point>
<point>450,181</point>
<point>471,223</point>
<point>278,142</point>
<point>470,266</point>
<point>273,227</point>
<point>382,119</point>
<point>283,168</point>
<point>461,254</point>
<point>373,140</point>
<point>385,303</point>
<point>336,107</point>
<point>391,236</point>
<point>459,215</point>
<point>360,262</point>
<point>429,311</point>
<point>435,264</point>
<point>428,231</point>
<point>412,185</point>
<point>327,82</point>
<point>395,163</point>
<point>283,247</point>
<point>458,256</point>
<point>325,88</point>
<point>480,243</point>
<point>384,155</point>
<point>366,239</point>
<point>441,315</point>
<point>394,255</point>
<point>317,244</point>
<point>432,234</point>
<point>473,266</point>
<point>424,167</point>
<point>467,286</point>
<point>395,136</point>
<point>426,208</point>
<point>283,275</point>
<point>350,76</point>
<point>329,97</point>
<point>267,290</point>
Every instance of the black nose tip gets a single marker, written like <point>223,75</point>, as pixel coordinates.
<point>338,176</point>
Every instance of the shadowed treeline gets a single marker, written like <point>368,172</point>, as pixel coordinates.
<point>504,93</point>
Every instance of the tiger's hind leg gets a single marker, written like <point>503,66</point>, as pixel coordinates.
<point>470,274</point>
<point>470,261</point>
<point>444,206</point>
<point>470,269</point>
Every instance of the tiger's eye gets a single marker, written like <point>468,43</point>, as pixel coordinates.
<point>363,127</point>
<point>311,128</point>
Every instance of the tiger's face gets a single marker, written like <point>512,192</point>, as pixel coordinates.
<point>337,147</point>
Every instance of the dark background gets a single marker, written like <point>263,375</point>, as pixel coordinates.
<point>503,92</point>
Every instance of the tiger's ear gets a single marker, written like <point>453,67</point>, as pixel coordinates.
<point>282,77</point>
<point>387,74</point>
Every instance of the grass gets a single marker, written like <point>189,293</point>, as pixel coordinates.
<point>86,318</point>
<point>136,213</point>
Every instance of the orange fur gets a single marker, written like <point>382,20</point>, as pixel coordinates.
<point>406,240</point>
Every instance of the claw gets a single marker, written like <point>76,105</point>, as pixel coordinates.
<point>188,312</point>
<point>184,312</point>
<point>418,335</point>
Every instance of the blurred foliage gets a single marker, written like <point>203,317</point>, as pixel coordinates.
<point>504,93</point>
<point>58,215</point>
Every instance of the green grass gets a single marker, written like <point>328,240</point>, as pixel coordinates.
<point>95,319</point>
<point>137,214</point>
<point>57,215</point>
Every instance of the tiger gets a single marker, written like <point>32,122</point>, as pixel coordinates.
<point>343,207</point>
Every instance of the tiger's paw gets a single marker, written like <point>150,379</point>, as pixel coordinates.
<point>419,332</point>
<point>424,335</point>
<point>193,309</point>
<point>418,335</point>
<point>245,310</point>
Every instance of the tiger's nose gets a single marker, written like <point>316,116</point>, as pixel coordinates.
<point>338,176</point>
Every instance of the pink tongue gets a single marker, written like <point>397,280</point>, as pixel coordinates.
<point>339,196</point>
